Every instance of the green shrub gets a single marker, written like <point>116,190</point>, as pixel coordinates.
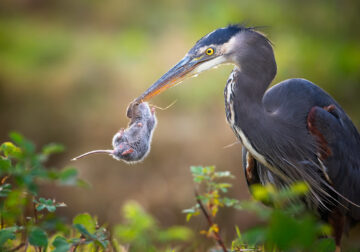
<point>289,226</point>
<point>29,221</point>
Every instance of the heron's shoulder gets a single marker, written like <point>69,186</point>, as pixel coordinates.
<point>296,90</point>
<point>295,85</point>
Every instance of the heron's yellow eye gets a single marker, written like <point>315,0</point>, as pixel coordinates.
<point>209,51</point>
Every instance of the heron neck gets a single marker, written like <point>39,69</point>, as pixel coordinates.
<point>248,92</point>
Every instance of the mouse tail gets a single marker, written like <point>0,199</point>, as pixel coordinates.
<point>110,152</point>
<point>168,106</point>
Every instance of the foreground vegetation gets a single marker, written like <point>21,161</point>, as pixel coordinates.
<point>30,223</point>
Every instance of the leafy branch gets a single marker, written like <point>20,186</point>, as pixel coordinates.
<point>289,226</point>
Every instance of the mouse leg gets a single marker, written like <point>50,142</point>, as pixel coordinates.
<point>127,152</point>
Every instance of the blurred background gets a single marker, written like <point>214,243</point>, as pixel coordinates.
<point>68,70</point>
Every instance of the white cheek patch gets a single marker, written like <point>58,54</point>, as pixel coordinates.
<point>209,64</point>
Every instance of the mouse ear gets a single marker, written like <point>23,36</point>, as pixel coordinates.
<point>110,152</point>
<point>129,111</point>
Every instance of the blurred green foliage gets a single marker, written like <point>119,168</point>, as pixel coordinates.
<point>64,63</point>
<point>142,232</point>
<point>287,225</point>
<point>317,40</point>
<point>29,221</point>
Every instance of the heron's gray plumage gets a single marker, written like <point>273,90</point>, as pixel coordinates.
<point>292,131</point>
<point>274,122</point>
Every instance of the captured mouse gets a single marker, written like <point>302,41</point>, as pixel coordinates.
<point>133,143</point>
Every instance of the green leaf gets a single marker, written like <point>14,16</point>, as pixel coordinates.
<point>84,231</point>
<point>259,192</point>
<point>49,204</point>
<point>17,137</point>
<point>22,142</point>
<point>61,244</point>
<point>82,183</point>
<point>68,176</point>
<point>9,149</point>
<point>5,165</point>
<point>38,237</point>
<point>101,237</point>
<point>5,189</point>
<point>299,188</point>
<point>40,207</point>
<point>52,148</point>
<point>175,233</point>
<point>283,230</point>
<point>6,234</point>
<point>190,210</point>
<point>196,170</point>
<point>238,233</point>
<point>223,174</point>
<point>230,202</point>
<point>254,236</point>
<point>51,208</point>
<point>325,245</point>
<point>87,221</point>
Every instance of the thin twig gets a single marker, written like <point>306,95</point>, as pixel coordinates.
<point>26,246</point>
<point>18,247</point>
<point>1,219</point>
<point>34,209</point>
<point>210,221</point>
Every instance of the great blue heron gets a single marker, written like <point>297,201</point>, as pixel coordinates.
<point>292,131</point>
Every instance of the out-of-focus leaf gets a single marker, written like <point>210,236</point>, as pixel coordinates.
<point>324,245</point>
<point>5,189</point>
<point>259,192</point>
<point>82,183</point>
<point>38,237</point>
<point>84,231</point>
<point>26,145</point>
<point>49,204</point>
<point>5,165</point>
<point>101,237</point>
<point>223,174</point>
<point>230,202</point>
<point>256,207</point>
<point>6,234</point>
<point>87,221</point>
<point>278,235</point>
<point>254,236</point>
<point>175,233</point>
<point>196,170</point>
<point>9,149</point>
<point>299,188</point>
<point>52,148</point>
<point>61,244</point>
<point>68,176</point>
<point>14,204</point>
<point>17,138</point>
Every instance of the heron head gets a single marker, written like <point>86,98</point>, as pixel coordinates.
<point>224,45</point>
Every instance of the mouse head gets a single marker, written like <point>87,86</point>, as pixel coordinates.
<point>137,110</point>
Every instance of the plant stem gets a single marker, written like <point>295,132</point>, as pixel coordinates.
<point>18,247</point>
<point>1,219</point>
<point>35,213</point>
<point>210,221</point>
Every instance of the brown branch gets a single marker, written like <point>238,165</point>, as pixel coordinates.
<point>210,221</point>
<point>1,219</point>
<point>26,246</point>
<point>35,212</point>
<point>77,244</point>
<point>18,247</point>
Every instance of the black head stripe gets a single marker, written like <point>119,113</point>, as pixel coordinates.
<point>219,36</point>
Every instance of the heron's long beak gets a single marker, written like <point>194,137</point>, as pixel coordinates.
<point>175,75</point>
